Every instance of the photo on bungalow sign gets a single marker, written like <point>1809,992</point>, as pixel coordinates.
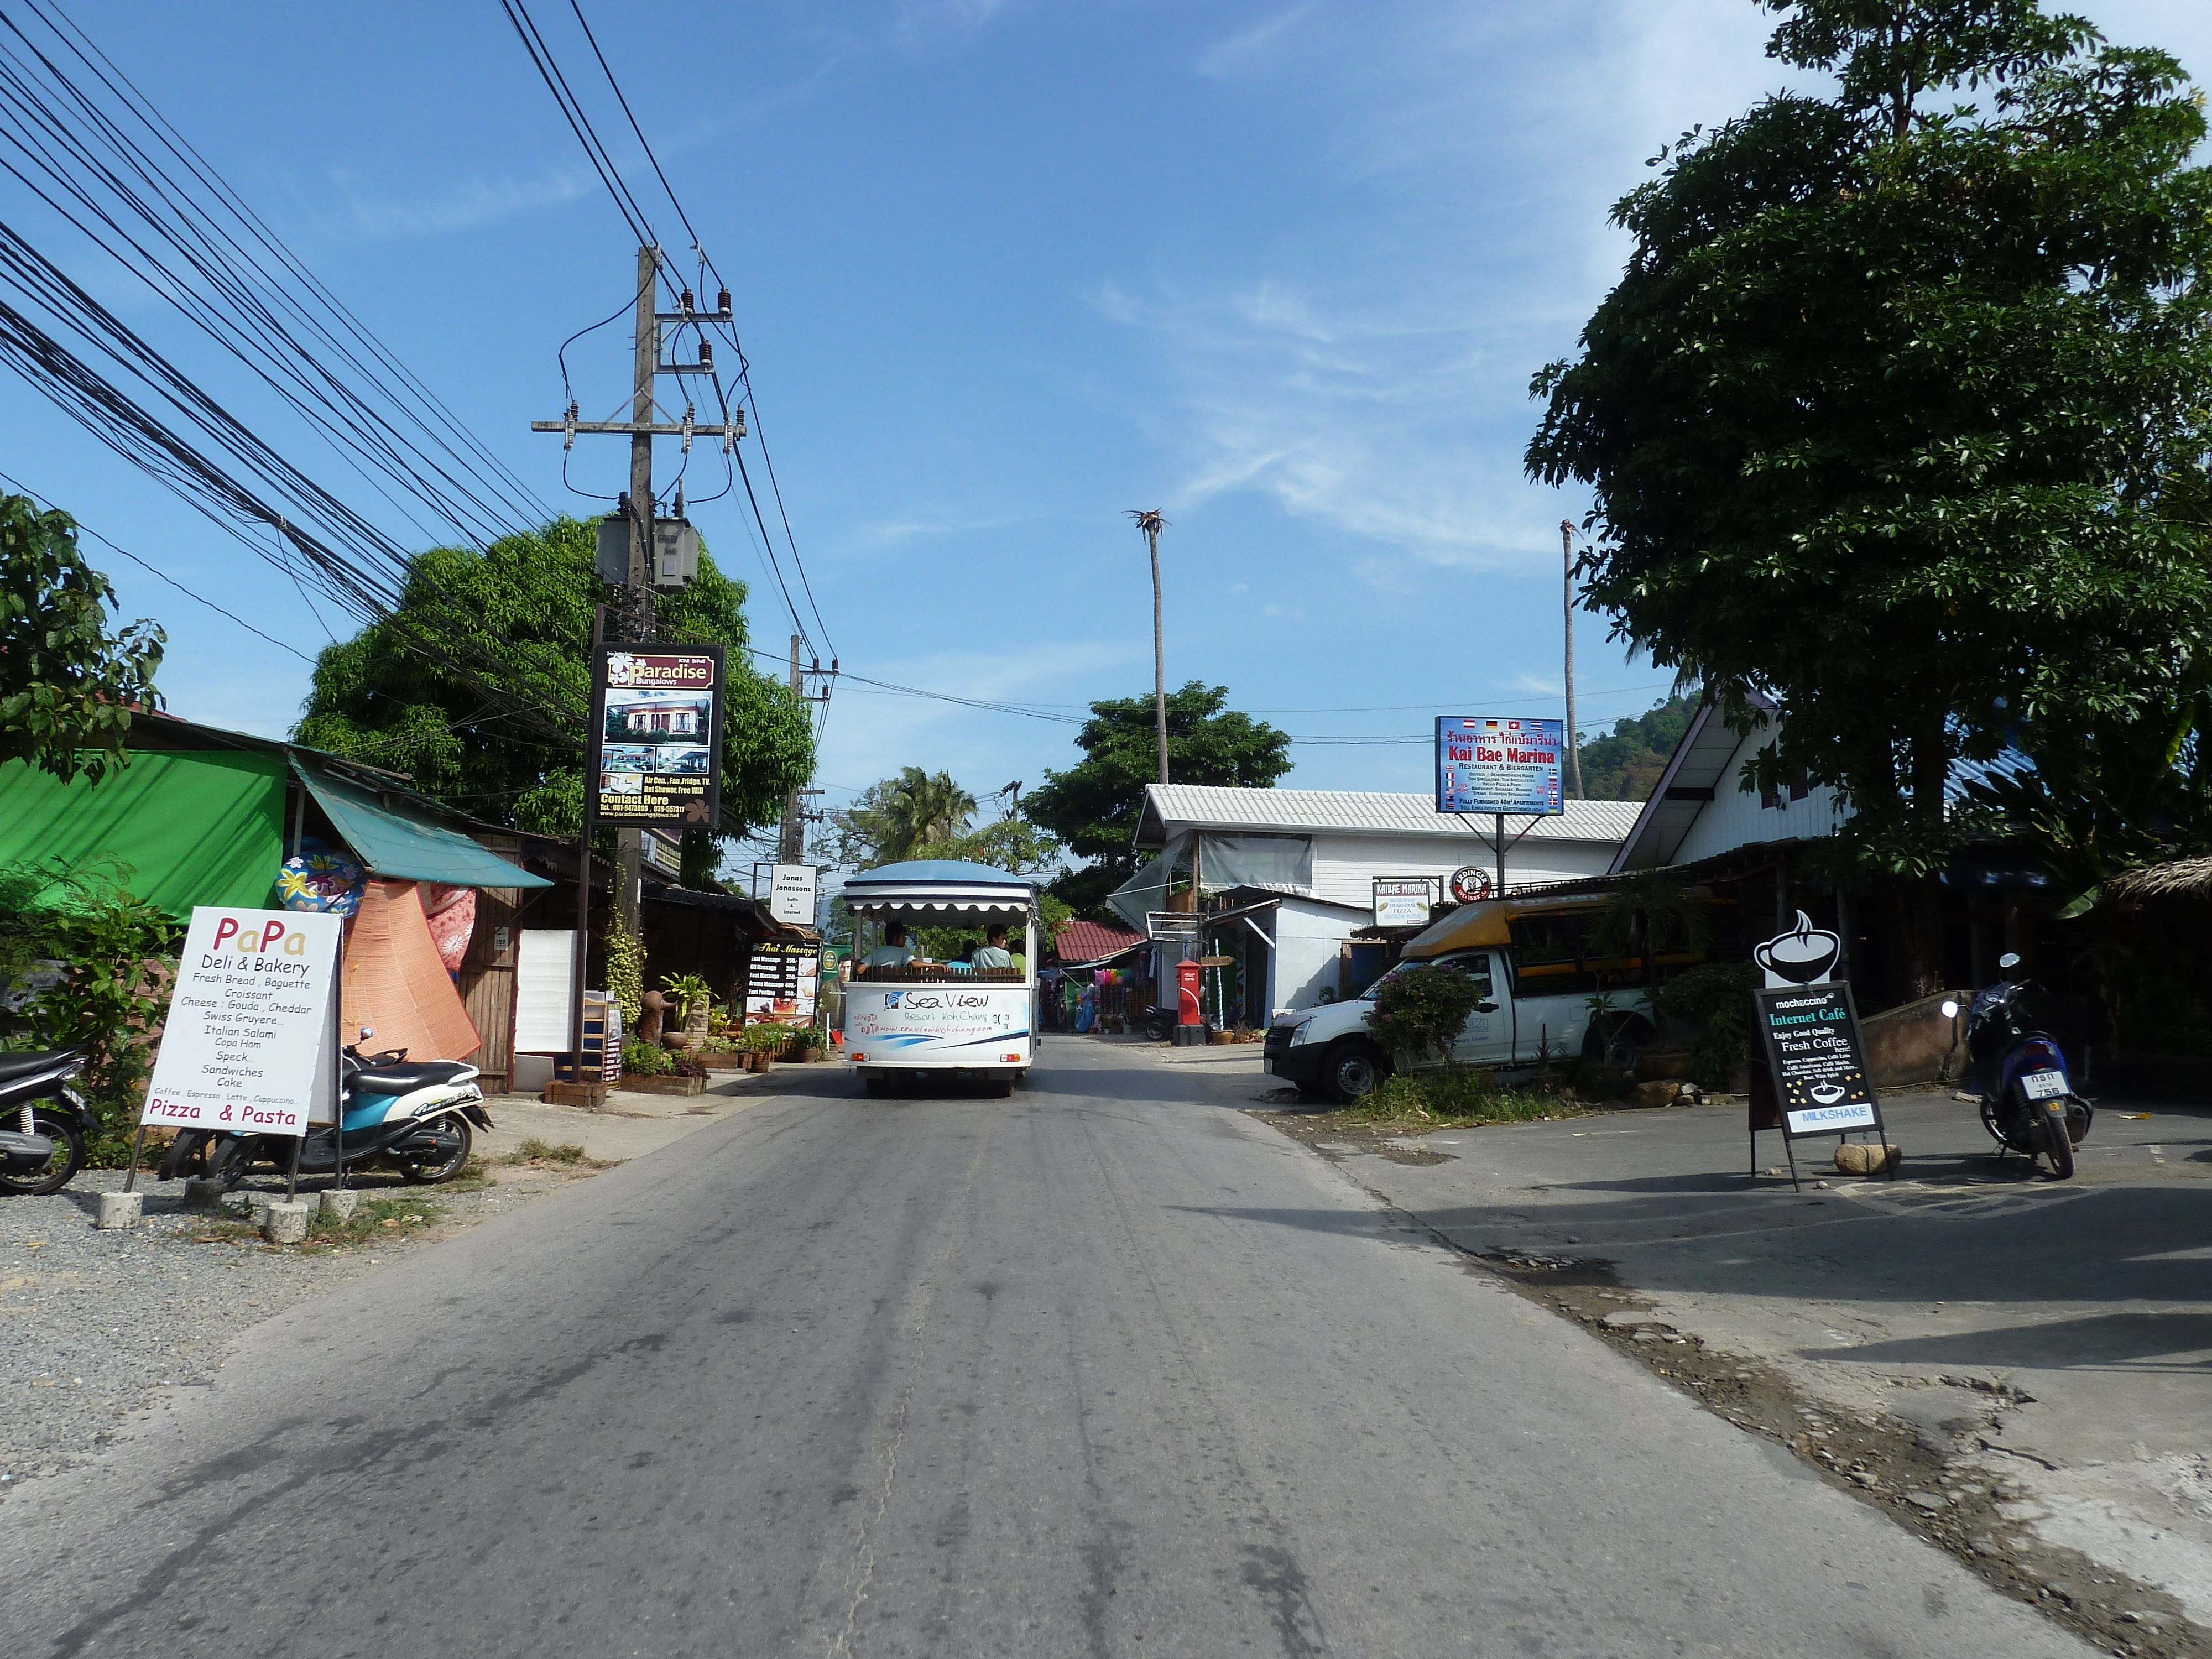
<point>657,736</point>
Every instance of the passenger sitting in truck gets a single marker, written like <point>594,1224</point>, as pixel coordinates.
<point>892,952</point>
<point>994,953</point>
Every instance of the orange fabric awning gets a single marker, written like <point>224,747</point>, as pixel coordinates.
<point>396,982</point>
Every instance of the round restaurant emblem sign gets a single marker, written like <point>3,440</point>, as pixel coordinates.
<point>1470,884</point>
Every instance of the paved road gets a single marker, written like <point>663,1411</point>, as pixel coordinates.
<point>1105,1369</point>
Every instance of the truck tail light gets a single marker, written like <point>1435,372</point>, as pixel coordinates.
<point>1012,1060</point>
<point>857,1055</point>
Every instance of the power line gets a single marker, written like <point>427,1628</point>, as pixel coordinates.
<point>155,570</point>
<point>743,376</point>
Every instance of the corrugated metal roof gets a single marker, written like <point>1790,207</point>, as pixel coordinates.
<point>1183,804</point>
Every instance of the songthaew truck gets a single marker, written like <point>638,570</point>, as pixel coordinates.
<point>968,1011</point>
<point>1533,960</point>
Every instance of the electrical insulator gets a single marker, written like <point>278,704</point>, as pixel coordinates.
<point>706,354</point>
<point>722,302</point>
<point>684,300</point>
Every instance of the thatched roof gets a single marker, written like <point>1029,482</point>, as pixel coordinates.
<point>2162,880</point>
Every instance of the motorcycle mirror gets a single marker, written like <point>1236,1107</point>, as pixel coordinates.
<point>367,1032</point>
<point>2008,961</point>
<point>1950,1009</point>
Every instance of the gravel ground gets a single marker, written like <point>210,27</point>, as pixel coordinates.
<point>95,1326</point>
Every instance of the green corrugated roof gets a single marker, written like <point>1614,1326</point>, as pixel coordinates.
<point>393,843</point>
<point>189,827</point>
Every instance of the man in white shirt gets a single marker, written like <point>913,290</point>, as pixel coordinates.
<point>994,953</point>
<point>892,952</point>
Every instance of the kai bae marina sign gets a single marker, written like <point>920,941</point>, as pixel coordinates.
<point>1501,767</point>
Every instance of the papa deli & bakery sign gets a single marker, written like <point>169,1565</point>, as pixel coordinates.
<point>249,1022</point>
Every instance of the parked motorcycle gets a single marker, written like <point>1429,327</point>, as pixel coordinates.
<point>1158,1024</point>
<point>416,1116</point>
<point>42,1145</point>
<point>2027,1097</point>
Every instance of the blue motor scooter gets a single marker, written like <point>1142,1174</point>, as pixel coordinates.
<point>415,1117</point>
<point>2027,1097</point>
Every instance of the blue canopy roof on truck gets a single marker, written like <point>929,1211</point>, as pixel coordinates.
<point>923,887</point>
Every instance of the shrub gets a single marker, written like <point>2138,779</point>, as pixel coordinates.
<point>1714,997</point>
<point>641,1059</point>
<point>1421,1010</point>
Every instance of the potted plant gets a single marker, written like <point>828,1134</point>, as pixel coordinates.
<point>695,1003</point>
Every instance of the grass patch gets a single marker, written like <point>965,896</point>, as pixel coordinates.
<point>543,1155</point>
<point>540,1152</point>
<point>1457,1095</point>
<point>374,1220</point>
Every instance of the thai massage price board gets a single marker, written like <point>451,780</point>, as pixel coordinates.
<point>1816,1058</point>
<point>657,736</point>
<point>249,1027</point>
<point>780,978</point>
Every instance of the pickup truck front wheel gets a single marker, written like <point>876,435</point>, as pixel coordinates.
<point>1353,1069</point>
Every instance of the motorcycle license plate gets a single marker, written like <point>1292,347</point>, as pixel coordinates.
<point>2044,1085</point>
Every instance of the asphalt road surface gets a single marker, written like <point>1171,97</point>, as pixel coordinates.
<point>1107,1368</point>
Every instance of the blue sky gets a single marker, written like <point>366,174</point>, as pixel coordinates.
<point>1004,268</point>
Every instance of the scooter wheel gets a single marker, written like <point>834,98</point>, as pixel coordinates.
<point>228,1157</point>
<point>2058,1144</point>
<point>61,1164</point>
<point>430,1175</point>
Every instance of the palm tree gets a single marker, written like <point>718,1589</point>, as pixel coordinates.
<point>919,807</point>
<point>1149,524</point>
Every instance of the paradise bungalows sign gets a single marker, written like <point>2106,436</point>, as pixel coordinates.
<point>249,1026</point>
<point>657,736</point>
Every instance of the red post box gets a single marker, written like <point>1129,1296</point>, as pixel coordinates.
<point>1186,978</point>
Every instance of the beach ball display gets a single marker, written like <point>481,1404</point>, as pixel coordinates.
<point>320,878</point>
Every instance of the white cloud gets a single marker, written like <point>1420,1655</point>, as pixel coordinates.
<point>919,22</point>
<point>1380,391</point>
<point>1226,57</point>
<point>461,206</point>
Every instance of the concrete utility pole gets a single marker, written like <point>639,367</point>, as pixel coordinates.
<point>638,623</point>
<point>790,848</point>
<point>1574,740</point>
<point>1149,522</point>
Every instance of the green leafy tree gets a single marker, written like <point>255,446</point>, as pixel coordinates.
<point>1093,807</point>
<point>1625,764</point>
<point>67,686</point>
<point>1899,416</point>
<point>385,696</point>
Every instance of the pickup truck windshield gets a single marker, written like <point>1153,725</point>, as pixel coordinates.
<point>1479,964</point>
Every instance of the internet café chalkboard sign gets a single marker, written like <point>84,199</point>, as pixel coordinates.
<point>1809,1033</point>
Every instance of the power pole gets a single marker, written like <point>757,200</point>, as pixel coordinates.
<point>789,848</point>
<point>1149,522</point>
<point>1574,740</point>
<point>638,506</point>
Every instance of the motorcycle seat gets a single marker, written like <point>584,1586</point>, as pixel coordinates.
<point>15,1065</point>
<point>409,1076</point>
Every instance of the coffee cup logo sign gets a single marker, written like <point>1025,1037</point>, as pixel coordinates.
<point>248,1024</point>
<point>1803,956</point>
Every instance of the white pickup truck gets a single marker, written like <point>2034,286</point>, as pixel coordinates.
<point>1531,960</point>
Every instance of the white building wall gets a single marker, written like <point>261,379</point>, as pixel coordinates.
<point>1733,819</point>
<point>1346,864</point>
<point>1307,938</point>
